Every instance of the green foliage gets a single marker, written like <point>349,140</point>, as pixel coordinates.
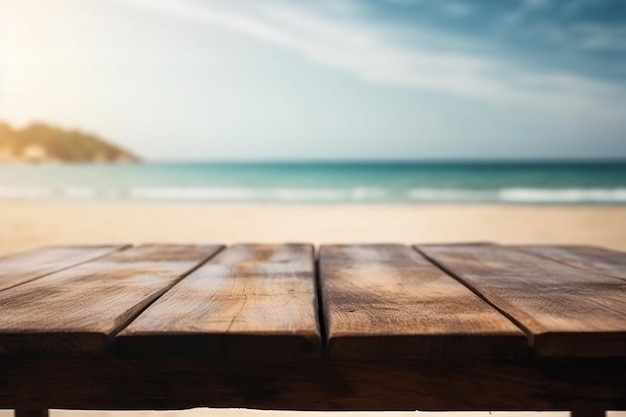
<point>43,142</point>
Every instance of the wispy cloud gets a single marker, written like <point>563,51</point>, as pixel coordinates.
<point>523,11</point>
<point>576,25</point>
<point>337,37</point>
<point>457,9</point>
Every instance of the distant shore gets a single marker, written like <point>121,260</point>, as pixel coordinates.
<point>27,224</point>
<point>43,143</point>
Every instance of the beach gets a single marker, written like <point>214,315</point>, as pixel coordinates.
<point>28,224</point>
<point>397,122</point>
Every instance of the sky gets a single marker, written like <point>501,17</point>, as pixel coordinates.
<point>323,80</point>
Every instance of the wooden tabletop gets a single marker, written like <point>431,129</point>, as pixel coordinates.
<point>297,305</point>
<point>348,301</point>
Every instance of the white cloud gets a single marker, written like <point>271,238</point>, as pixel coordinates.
<point>369,52</point>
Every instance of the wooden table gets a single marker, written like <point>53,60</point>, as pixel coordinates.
<point>346,327</point>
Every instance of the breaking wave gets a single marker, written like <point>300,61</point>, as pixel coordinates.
<point>365,194</point>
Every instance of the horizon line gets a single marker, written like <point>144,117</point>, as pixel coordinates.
<point>400,161</point>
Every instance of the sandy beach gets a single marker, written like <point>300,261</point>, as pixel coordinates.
<point>30,224</point>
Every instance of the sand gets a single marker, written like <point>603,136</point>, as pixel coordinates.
<point>30,224</point>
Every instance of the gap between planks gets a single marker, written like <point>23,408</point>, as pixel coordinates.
<point>565,311</point>
<point>183,276</point>
<point>592,259</point>
<point>78,309</point>
<point>387,300</point>
<point>251,300</point>
<point>49,260</point>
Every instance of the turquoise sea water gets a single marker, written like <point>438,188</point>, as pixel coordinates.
<point>410,183</point>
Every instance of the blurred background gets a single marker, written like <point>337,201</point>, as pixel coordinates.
<point>522,101</point>
<point>340,80</point>
<point>328,120</point>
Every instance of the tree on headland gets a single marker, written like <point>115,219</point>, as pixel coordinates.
<point>40,142</point>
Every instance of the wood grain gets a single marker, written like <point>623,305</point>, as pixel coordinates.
<point>249,301</point>
<point>78,309</point>
<point>565,311</point>
<point>26,266</point>
<point>588,258</point>
<point>388,301</point>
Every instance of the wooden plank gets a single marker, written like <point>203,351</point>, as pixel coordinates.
<point>26,266</point>
<point>565,311</point>
<point>389,301</point>
<point>78,309</point>
<point>105,382</point>
<point>249,301</point>
<point>588,258</point>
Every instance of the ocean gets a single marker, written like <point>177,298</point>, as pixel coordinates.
<point>322,183</point>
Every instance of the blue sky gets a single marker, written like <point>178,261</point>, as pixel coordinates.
<point>331,79</point>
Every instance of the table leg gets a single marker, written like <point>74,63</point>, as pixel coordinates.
<point>31,412</point>
<point>588,413</point>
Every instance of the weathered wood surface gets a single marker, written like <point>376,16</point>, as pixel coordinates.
<point>78,309</point>
<point>588,258</point>
<point>403,334</point>
<point>16,269</point>
<point>388,301</point>
<point>314,384</point>
<point>565,311</point>
<point>248,301</point>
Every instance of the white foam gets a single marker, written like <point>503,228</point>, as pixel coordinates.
<point>18,192</point>
<point>193,193</point>
<point>303,194</point>
<point>448,195</point>
<point>565,195</point>
<point>367,193</point>
<point>248,194</point>
<point>74,192</point>
<point>514,195</point>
